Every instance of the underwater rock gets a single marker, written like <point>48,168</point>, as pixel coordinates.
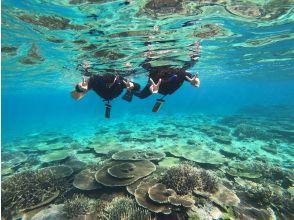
<point>139,170</point>
<point>54,212</point>
<point>160,194</point>
<point>55,156</point>
<point>85,180</point>
<point>125,208</point>
<point>142,198</point>
<point>60,171</point>
<point>51,22</point>
<point>138,155</point>
<point>168,162</point>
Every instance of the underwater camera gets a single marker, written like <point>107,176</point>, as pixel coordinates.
<point>107,110</point>
<point>157,105</point>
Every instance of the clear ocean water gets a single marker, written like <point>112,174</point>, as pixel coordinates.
<point>242,114</point>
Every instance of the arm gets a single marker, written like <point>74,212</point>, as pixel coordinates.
<point>146,64</point>
<point>144,93</point>
<point>194,56</point>
<point>194,80</point>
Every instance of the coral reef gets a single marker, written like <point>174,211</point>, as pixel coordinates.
<point>138,155</point>
<point>122,173</point>
<point>169,162</point>
<point>55,156</point>
<point>85,180</point>
<point>29,189</point>
<point>209,183</point>
<point>198,155</point>
<point>60,171</point>
<point>143,199</point>
<point>80,205</point>
<point>183,179</point>
<point>245,131</point>
<point>250,170</point>
<point>124,208</point>
<point>185,201</point>
<point>160,194</point>
<point>53,212</point>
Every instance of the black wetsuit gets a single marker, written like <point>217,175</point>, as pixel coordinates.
<point>106,88</point>
<point>171,78</point>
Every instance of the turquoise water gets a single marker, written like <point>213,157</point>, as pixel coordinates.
<point>238,125</point>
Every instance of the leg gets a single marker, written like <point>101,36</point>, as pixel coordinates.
<point>144,93</point>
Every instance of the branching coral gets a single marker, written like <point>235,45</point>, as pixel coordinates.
<point>30,188</point>
<point>185,178</point>
<point>124,208</point>
<point>80,205</point>
<point>209,182</point>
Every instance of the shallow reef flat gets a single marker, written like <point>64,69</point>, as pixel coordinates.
<point>181,167</point>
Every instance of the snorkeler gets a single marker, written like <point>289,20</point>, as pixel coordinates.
<point>166,80</point>
<point>107,86</point>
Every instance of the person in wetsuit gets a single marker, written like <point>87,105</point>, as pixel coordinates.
<point>107,86</point>
<point>166,79</point>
